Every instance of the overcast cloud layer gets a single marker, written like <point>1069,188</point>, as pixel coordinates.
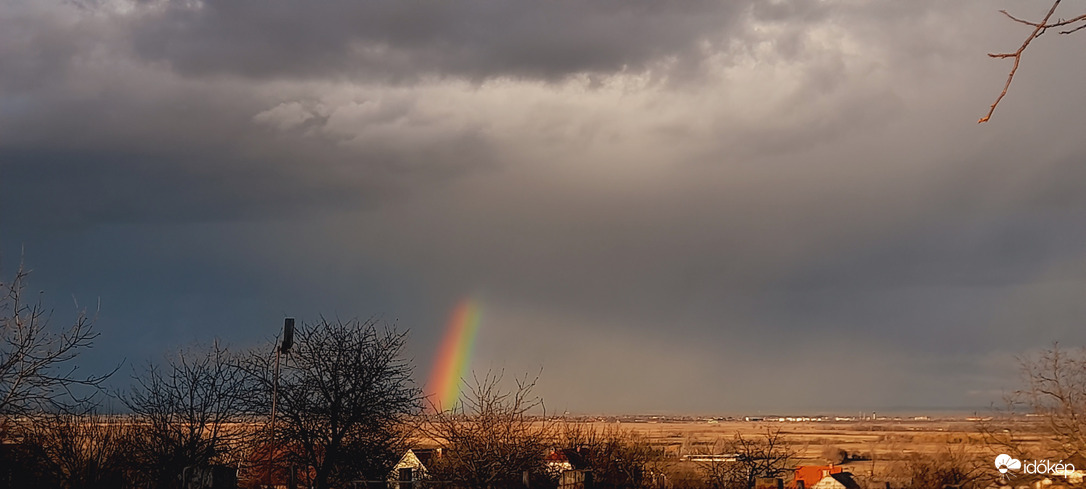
<point>668,206</point>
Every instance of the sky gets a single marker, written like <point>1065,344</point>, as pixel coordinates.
<point>670,207</point>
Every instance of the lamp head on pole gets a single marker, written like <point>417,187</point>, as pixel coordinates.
<point>288,335</point>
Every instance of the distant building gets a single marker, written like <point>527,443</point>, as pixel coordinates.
<point>840,480</point>
<point>411,468</point>
<point>557,462</point>
<point>562,460</point>
<point>810,475</point>
<point>575,479</point>
<point>768,483</point>
<point>706,457</point>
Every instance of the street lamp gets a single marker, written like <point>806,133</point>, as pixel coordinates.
<point>284,347</point>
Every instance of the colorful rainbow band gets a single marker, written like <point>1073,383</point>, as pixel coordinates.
<point>453,360</point>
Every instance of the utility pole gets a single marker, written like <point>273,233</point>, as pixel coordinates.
<point>284,347</point>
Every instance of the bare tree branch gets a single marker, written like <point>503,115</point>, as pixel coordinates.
<point>1039,28</point>
<point>492,439</point>
<point>37,372</point>
<point>767,455</point>
<point>184,408</point>
<point>1056,391</point>
<point>79,451</point>
<point>345,396</point>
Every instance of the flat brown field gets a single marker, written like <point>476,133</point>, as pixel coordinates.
<point>879,444</point>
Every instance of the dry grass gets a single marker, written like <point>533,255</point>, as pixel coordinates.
<point>877,449</point>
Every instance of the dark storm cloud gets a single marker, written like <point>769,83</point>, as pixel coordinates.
<point>85,188</point>
<point>810,185</point>
<point>389,39</point>
<point>103,140</point>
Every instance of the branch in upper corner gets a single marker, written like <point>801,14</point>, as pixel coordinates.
<point>1038,29</point>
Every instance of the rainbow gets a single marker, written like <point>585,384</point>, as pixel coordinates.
<point>453,356</point>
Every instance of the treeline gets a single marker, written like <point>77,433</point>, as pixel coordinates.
<point>345,405</point>
<point>346,409</point>
<point>344,396</point>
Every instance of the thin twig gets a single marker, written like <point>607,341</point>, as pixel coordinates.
<point>1038,29</point>
<point>1081,17</point>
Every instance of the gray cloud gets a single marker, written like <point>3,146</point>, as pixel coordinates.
<point>395,40</point>
<point>666,187</point>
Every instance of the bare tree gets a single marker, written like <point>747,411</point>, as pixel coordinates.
<point>1071,25</point>
<point>767,455</point>
<point>617,458</point>
<point>37,372</point>
<point>1008,430</point>
<point>834,455</point>
<point>186,411</point>
<point>949,467</point>
<point>78,451</point>
<point>344,394</point>
<point>1053,396</point>
<point>492,440</point>
<point>1056,391</point>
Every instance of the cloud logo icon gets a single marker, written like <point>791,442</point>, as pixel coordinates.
<point>1004,463</point>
